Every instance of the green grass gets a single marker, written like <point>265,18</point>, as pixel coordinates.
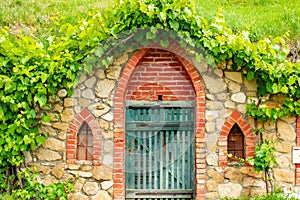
<point>35,14</point>
<point>261,17</point>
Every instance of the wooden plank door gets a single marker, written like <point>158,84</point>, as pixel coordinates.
<point>159,152</point>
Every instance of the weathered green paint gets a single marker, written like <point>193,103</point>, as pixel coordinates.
<point>159,150</point>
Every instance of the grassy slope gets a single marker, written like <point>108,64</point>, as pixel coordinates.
<point>261,17</point>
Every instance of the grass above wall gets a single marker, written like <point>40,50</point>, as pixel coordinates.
<point>35,14</point>
<point>262,17</point>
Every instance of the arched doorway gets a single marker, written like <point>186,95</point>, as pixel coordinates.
<point>155,125</point>
<point>159,129</point>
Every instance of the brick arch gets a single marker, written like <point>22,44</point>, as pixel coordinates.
<point>83,116</point>
<point>235,118</point>
<point>119,122</point>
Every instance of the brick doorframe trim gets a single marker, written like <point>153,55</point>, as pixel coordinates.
<point>71,140</point>
<point>119,122</point>
<point>235,118</point>
<point>297,174</point>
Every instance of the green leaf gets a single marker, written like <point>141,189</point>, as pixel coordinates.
<point>41,99</point>
<point>40,139</point>
<point>32,113</point>
<point>44,77</point>
<point>46,118</point>
<point>150,35</point>
<point>275,88</point>
<point>26,139</point>
<point>164,43</point>
<point>174,25</point>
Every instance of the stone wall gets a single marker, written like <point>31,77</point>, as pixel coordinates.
<point>226,96</point>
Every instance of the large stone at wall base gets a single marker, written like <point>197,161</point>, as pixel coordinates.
<point>234,175</point>
<point>283,175</point>
<point>231,190</point>
<point>215,175</point>
<point>102,173</point>
<point>48,155</point>
<point>102,195</point>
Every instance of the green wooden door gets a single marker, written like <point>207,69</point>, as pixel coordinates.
<point>159,150</point>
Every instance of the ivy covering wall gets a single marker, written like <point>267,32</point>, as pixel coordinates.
<point>34,69</point>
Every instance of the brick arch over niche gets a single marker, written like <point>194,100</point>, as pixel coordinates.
<point>87,117</point>
<point>235,118</point>
<point>119,122</point>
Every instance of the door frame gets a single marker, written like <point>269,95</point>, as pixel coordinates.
<point>158,123</point>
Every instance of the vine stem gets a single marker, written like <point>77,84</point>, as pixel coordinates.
<point>20,180</point>
<point>7,181</point>
<point>271,183</point>
<point>266,177</point>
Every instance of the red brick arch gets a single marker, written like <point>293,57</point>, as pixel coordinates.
<point>83,116</point>
<point>119,122</point>
<point>235,118</point>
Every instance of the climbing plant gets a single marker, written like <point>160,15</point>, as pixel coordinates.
<point>265,158</point>
<point>33,69</point>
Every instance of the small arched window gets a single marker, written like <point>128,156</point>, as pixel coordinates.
<point>84,143</point>
<point>235,144</point>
